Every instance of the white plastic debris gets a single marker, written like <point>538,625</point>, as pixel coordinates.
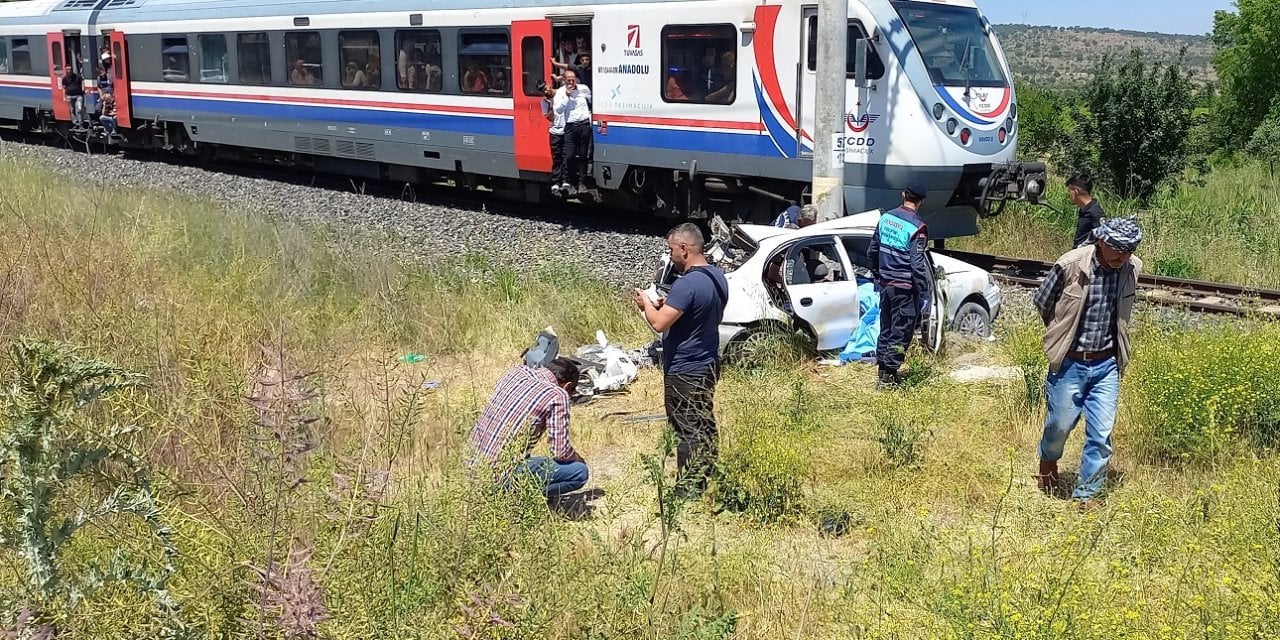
<point>614,368</point>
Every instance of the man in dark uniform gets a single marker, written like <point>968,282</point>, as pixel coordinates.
<point>897,252</point>
<point>1080,188</point>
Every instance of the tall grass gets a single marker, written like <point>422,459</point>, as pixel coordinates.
<point>363,524</point>
<point>1223,226</point>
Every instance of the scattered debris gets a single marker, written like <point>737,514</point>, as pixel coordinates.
<point>431,385</point>
<point>412,358</point>
<point>546,347</point>
<point>608,367</point>
<point>986,374</point>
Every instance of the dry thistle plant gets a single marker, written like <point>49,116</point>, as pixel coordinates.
<point>46,445</point>
<point>283,437</point>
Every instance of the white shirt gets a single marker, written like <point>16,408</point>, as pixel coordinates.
<point>574,106</point>
<point>557,116</point>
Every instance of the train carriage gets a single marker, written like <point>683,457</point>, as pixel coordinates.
<point>699,107</point>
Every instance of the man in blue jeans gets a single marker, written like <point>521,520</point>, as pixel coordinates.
<point>1086,303</point>
<point>528,402</point>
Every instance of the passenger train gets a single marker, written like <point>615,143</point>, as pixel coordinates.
<point>699,107</point>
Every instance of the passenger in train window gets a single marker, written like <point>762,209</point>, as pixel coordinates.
<point>573,100</point>
<point>501,84</point>
<point>104,58</point>
<point>676,83</point>
<point>721,82</point>
<point>402,63</point>
<point>475,80</point>
<point>355,76</point>
<point>301,74</point>
<point>582,44</point>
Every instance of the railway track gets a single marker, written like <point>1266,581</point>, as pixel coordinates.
<point>1195,295</point>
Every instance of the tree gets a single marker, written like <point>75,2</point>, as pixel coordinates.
<point>1140,115</point>
<point>1247,65</point>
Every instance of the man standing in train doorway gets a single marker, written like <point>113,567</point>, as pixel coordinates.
<point>573,100</point>
<point>897,253</point>
<point>556,118</point>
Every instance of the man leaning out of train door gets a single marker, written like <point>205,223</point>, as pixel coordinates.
<point>573,100</point>
<point>556,120</point>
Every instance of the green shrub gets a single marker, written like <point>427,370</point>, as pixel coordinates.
<point>903,439</point>
<point>1177,266</point>
<point>1200,391</point>
<point>1024,344</point>
<point>760,476</point>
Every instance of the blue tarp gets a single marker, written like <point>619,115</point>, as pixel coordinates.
<point>863,341</point>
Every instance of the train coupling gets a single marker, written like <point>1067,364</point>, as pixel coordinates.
<point>1013,181</point>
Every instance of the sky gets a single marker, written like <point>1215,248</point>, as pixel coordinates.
<point>1165,16</point>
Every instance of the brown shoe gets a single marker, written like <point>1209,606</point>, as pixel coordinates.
<point>1048,476</point>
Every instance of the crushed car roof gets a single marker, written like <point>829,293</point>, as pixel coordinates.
<point>865,220</point>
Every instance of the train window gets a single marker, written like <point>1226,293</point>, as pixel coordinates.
<point>532,58</point>
<point>254,50</point>
<point>418,61</point>
<point>875,65</point>
<point>361,60</point>
<point>484,63</point>
<point>20,56</point>
<point>55,57</point>
<point>118,55</point>
<point>176,57</point>
<point>303,52</point>
<point>4,56</point>
<point>699,64</point>
<point>214,66</point>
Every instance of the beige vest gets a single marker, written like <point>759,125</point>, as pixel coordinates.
<point>1077,268</point>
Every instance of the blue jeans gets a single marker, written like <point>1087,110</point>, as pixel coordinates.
<point>557,478</point>
<point>1092,388</point>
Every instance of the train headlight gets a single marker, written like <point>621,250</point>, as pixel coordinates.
<point>1013,111</point>
<point>951,126</point>
<point>938,111</point>
<point>965,136</point>
<point>1002,135</point>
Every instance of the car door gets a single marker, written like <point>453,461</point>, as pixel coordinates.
<point>826,302</point>
<point>932,328</point>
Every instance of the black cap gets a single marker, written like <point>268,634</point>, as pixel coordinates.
<point>916,189</point>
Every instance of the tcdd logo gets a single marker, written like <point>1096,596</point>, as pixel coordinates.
<point>860,123</point>
<point>633,36</point>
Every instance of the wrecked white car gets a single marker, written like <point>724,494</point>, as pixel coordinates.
<point>806,280</point>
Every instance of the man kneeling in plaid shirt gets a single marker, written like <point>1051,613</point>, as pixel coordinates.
<point>528,402</point>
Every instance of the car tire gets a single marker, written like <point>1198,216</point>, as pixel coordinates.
<point>973,319</point>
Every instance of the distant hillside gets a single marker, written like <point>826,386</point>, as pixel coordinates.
<point>1060,56</point>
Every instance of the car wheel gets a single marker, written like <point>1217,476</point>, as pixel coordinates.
<point>972,319</point>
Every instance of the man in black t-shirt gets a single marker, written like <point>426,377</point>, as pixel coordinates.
<point>1080,188</point>
<point>73,86</point>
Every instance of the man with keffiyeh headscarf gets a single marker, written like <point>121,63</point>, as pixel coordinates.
<point>1086,303</point>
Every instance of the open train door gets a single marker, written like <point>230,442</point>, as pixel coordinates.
<point>57,48</point>
<point>120,73</point>
<point>531,54</point>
